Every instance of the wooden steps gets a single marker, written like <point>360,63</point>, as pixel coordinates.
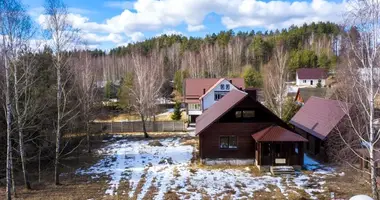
<point>282,170</point>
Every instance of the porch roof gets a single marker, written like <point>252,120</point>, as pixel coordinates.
<point>277,134</point>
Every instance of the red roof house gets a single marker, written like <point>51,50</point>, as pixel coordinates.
<point>201,93</point>
<point>240,127</point>
<point>316,120</point>
<point>311,77</point>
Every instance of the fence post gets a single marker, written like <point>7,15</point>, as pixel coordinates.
<point>133,127</point>
<point>122,129</point>
<point>173,126</point>
<point>111,127</point>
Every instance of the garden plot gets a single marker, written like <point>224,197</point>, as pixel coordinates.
<point>159,167</point>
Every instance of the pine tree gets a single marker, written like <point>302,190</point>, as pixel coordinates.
<point>177,112</point>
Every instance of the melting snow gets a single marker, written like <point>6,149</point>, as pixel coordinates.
<point>167,168</point>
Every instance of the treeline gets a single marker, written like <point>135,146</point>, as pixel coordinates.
<point>226,53</point>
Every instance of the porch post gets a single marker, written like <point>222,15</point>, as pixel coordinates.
<point>301,152</point>
<point>258,153</point>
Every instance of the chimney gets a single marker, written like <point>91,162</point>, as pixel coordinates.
<point>231,81</point>
<point>252,92</point>
<point>204,90</point>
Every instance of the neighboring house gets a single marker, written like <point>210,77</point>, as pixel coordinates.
<point>240,128</point>
<point>311,77</point>
<point>303,94</point>
<point>202,93</point>
<point>317,120</point>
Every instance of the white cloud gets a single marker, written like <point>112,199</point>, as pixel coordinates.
<point>119,4</point>
<point>93,38</point>
<point>154,15</point>
<point>192,28</point>
<point>136,37</point>
<point>281,14</point>
<point>170,32</point>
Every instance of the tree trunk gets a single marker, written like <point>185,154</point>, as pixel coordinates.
<point>23,162</point>
<point>375,193</point>
<point>58,131</point>
<point>144,127</point>
<point>88,136</point>
<point>19,127</point>
<point>9,142</point>
<point>13,178</point>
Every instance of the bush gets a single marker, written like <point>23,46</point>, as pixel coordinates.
<point>177,112</point>
<point>319,85</point>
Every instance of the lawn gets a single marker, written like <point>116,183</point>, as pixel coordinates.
<point>166,167</point>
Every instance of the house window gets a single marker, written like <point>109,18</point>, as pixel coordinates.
<point>266,149</point>
<point>304,81</point>
<point>311,82</point>
<point>227,87</point>
<point>218,95</point>
<point>222,86</point>
<point>238,114</point>
<point>195,106</point>
<point>228,142</point>
<point>248,113</point>
<point>245,114</point>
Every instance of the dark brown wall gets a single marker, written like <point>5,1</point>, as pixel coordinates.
<point>210,138</point>
<point>313,142</point>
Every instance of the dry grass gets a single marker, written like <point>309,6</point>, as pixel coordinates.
<point>135,117</point>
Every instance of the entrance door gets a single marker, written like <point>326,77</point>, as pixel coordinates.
<point>279,157</point>
<point>311,82</point>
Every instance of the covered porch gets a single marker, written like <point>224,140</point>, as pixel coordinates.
<point>277,146</point>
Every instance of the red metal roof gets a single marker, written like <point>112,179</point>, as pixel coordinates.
<point>320,116</point>
<point>195,86</point>
<point>311,73</point>
<point>277,134</point>
<point>218,109</point>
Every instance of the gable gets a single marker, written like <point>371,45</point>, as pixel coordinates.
<point>196,86</point>
<point>225,110</point>
<point>319,116</point>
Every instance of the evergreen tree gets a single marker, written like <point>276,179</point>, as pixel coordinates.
<point>107,90</point>
<point>177,112</point>
<point>252,77</point>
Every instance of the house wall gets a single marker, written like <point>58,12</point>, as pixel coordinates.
<point>209,100</point>
<point>308,82</point>
<point>210,140</point>
<point>311,147</point>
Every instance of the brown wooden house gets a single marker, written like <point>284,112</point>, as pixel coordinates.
<point>239,127</point>
<point>316,121</point>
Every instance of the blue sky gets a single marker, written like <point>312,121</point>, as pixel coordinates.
<point>107,23</point>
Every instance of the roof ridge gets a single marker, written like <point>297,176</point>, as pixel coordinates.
<point>265,132</point>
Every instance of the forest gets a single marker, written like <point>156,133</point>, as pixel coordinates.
<point>51,92</point>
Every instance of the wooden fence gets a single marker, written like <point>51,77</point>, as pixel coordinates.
<point>136,126</point>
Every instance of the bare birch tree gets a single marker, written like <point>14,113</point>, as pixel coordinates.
<point>63,37</point>
<point>15,30</point>
<point>148,82</point>
<point>361,77</point>
<point>86,91</point>
<point>275,74</point>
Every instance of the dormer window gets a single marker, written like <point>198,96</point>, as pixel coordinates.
<point>227,87</point>
<point>222,86</point>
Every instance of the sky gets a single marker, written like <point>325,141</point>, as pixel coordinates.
<point>107,24</point>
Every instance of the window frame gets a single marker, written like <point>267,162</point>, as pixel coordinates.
<point>304,81</point>
<point>228,137</point>
<point>245,111</point>
<point>227,86</point>
<point>222,86</point>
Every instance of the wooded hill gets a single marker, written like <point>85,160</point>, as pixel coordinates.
<point>226,53</point>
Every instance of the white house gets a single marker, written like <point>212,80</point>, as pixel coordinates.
<point>216,92</point>
<point>201,93</point>
<point>310,77</point>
